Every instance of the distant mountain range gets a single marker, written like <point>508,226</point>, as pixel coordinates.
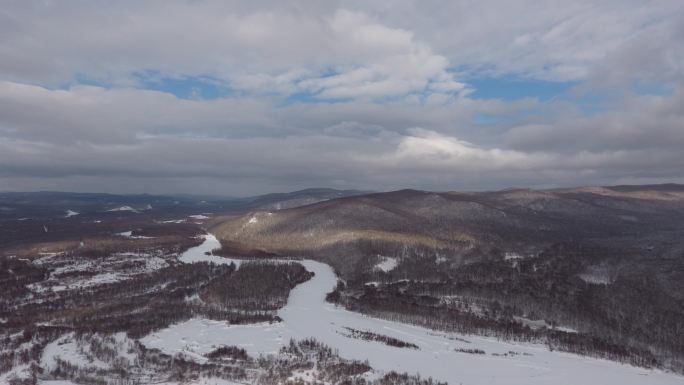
<point>48,203</point>
<point>520,220</point>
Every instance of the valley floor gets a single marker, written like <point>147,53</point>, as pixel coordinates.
<point>458,359</point>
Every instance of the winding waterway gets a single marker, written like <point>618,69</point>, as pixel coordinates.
<point>307,314</point>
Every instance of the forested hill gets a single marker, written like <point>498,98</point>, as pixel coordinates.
<point>606,263</point>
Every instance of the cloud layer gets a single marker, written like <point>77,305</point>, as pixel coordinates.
<point>337,94</point>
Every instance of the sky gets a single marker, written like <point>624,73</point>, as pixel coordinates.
<point>248,97</point>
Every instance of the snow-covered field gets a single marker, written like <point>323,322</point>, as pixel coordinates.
<point>124,208</point>
<point>108,270</point>
<point>307,314</point>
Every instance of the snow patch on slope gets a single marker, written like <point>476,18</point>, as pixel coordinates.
<point>509,255</point>
<point>198,216</point>
<point>129,234</point>
<point>67,349</point>
<point>124,208</point>
<point>597,275</point>
<point>387,264</point>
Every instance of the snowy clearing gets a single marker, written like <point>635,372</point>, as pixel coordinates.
<point>307,314</point>
<point>129,234</point>
<point>124,208</point>
<point>65,348</point>
<point>387,264</point>
<point>174,221</point>
<point>73,284</point>
<point>538,324</point>
<point>198,216</point>
<point>597,275</point>
<point>108,270</point>
<point>509,255</point>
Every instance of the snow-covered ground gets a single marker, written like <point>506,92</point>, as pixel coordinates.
<point>129,234</point>
<point>108,270</point>
<point>308,315</point>
<point>512,255</point>
<point>387,264</point>
<point>66,349</point>
<point>173,221</point>
<point>597,275</point>
<point>71,213</point>
<point>124,208</point>
<point>198,216</point>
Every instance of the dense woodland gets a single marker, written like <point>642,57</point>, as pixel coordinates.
<point>387,340</point>
<point>256,285</point>
<point>542,299</point>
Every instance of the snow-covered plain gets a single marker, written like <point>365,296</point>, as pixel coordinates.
<point>307,314</point>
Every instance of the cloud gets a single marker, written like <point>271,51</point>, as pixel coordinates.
<point>342,94</point>
<point>236,41</point>
<point>260,50</point>
<point>165,139</point>
<point>365,59</point>
<point>542,40</point>
<point>647,122</point>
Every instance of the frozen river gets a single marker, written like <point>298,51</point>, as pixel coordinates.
<point>307,314</point>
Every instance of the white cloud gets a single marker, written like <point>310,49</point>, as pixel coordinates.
<point>152,142</point>
<point>430,149</point>
<point>372,72</point>
<point>366,59</point>
<point>281,50</point>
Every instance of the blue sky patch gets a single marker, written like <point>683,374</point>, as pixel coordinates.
<point>513,88</point>
<point>184,87</point>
